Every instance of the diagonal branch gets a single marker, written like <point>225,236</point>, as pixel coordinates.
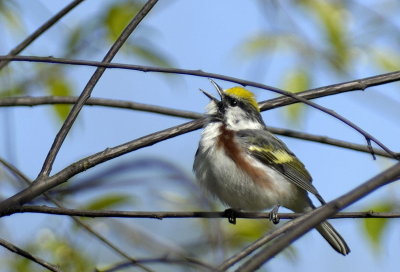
<point>61,135</point>
<point>165,260</point>
<point>122,104</point>
<point>10,204</point>
<point>36,34</point>
<point>311,219</point>
<point>353,85</point>
<point>331,141</point>
<point>29,256</point>
<point>358,84</point>
<point>79,222</point>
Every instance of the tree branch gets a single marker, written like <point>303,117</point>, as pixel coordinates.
<point>164,259</point>
<point>29,256</point>
<point>73,114</point>
<point>347,86</point>
<point>9,205</point>
<point>164,215</point>
<point>122,104</point>
<point>311,219</point>
<point>77,221</point>
<point>331,141</point>
<point>25,43</point>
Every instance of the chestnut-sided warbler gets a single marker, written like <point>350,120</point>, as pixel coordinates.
<point>240,162</point>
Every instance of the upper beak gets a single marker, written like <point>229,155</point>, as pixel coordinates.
<point>219,90</point>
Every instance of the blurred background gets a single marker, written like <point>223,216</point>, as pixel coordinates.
<point>294,45</point>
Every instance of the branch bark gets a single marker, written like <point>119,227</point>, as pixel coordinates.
<point>77,221</point>
<point>358,84</point>
<point>12,203</point>
<point>38,32</point>
<point>164,215</point>
<point>48,100</point>
<point>29,256</point>
<point>62,134</point>
<point>311,219</point>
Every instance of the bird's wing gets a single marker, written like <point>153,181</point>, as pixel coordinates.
<point>271,151</point>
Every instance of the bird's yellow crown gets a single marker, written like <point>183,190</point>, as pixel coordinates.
<point>242,93</point>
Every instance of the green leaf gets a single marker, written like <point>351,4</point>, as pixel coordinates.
<point>334,21</point>
<point>10,11</point>
<point>258,44</point>
<point>118,16</point>
<point>58,86</point>
<point>374,227</point>
<point>13,91</point>
<point>147,53</point>
<point>246,230</point>
<point>108,201</point>
<point>265,42</point>
<point>73,40</point>
<point>296,81</point>
<point>390,61</point>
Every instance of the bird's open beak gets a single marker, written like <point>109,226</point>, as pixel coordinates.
<point>219,90</point>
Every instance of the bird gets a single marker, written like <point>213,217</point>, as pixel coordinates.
<point>247,168</point>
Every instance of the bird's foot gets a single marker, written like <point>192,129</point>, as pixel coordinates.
<point>231,215</point>
<point>273,215</point>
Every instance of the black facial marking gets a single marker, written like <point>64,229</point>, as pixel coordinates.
<point>233,102</point>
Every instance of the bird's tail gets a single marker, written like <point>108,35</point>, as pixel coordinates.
<point>328,232</point>
<point>333,238</point>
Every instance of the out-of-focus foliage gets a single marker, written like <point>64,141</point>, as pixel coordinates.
<point>374,228</point>
<point>58,86</point>
<point>108,201</point>
<point>81,40</point>
<point>9,14</point>
<point>65,252</point>
<point>319,35</point>
<point>323,35</point>
<point>296,81</point>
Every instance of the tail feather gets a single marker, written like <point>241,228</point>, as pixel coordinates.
<point>333,238</point>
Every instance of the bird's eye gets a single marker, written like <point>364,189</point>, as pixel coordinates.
<point>233,102</point>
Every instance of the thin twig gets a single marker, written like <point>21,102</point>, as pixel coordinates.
<point>170,260</point>
<point>313,218</point>
<point>38,32</point>
<point>29,256</point>
<point>331,141</point>
<point>10,204</point>
<point>243,253</point>
<point>353,85</point>
<point>79,222</point>
<point>122,104</point>
<point>163,215</point>
<point>73,114</point>
<point>358,84</point>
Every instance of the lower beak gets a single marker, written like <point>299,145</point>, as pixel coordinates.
<point>219,90</point>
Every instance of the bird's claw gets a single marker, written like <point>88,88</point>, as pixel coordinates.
<point>231,215</point>
<point>273,215</point>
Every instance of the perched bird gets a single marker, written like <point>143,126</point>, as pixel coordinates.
<point>245,166</point>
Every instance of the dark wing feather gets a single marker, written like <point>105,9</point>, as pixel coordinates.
<point>271,151</point>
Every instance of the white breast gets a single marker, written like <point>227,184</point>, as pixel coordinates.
<point>219,174</point>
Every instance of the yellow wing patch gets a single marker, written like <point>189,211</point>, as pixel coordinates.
<point>242,93</point>
<point>280,155</point>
